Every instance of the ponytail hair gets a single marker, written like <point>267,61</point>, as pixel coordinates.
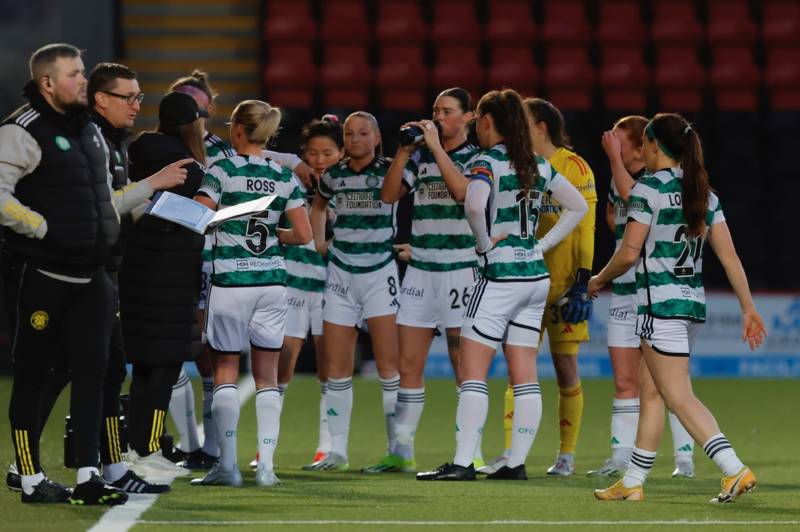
<point>513,121</point>
<point>544,111</point>
<point>259,120</point>
<point>677,139</point>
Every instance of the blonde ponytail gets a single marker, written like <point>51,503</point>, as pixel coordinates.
<point>259,120</point>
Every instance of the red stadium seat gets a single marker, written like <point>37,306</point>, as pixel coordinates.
<point>402,78</point>
<point>288,21</point>
<point>675,23</point>
<point>625,79</point>
<point>781,24</point>
<point>510,22</point>
<point>679,79</point>
<point>514,67</point>
<point>569,78</point>
<point>290,76</point>
<point>455,23</point>
<point>400,22</point>
<point>458,66</point>
<point>609,29</point>
<point>782,78</point>
<point>735,79</point>
<point>565,23</point>
<point>345,77</point>
<point>345,22</point>
<point>729,23</point>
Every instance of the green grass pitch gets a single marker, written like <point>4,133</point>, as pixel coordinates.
<point>760,418</point>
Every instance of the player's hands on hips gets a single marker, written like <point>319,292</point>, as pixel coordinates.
<point>753,330</point>
<point>575,303</point>
<point>611,145</point>
<point>172,175</point>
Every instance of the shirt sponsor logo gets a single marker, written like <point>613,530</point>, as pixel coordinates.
<point>436,190</point>
<point>360,200</point>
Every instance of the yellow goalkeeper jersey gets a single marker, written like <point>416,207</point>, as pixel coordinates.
<point>577,248</point>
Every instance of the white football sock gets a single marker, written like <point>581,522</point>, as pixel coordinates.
<point>282,389</point>
<point>389,389</point>
<point>410,403</point>
<point>181,408</point>
<point>340,406</point>
<point>225,411</point>
<point>31,481</point>
<point>682,442</point>
<point>624,420</point>
<point>268,416</point>
<point>85,474</point>
<point>719,449</point>
<point>639,467</point>
<point>114,472</point>
<point>525,424</point>
<point>324,443</point>
<point>473,405</point>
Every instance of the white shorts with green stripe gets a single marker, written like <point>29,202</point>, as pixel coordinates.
<point>621,329</point>
<point>671,337</point>
<point>242,315</point>
<point>506,312</point>
<point>304,311</point>
<point>352,297</point>
<point>428,299</point>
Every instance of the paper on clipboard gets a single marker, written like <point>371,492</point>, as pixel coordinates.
<point>196,216</point>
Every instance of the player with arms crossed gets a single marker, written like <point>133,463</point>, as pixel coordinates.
<point>671,212</point>
<point>247,298</point>
<point>504,195</point>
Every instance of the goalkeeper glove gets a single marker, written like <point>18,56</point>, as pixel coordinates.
<point>575,303</point>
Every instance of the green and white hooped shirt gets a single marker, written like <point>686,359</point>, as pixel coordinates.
<point>669,280</point>
<point>306,269</point>
<point>441,239</point>
<point>363,234</point>
<point>246,252</point>
<point>625,284</point>
<point>216,150</point>
<point>511,212</point>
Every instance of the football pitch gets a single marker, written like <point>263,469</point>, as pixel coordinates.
<point>760,417</point>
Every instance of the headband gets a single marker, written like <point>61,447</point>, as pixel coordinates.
<point>194,92</point>
<point>648,130</point>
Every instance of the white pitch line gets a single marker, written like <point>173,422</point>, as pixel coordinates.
<point>122,518</point>
<point>465,523</point>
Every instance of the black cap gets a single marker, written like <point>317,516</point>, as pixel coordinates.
<point>178,109</point>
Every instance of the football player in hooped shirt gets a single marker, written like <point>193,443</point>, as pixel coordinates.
<point>362,278</point>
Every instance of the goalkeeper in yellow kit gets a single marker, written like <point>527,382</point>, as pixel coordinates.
<point>570,264</point>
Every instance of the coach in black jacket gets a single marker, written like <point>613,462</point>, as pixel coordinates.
<point>160,279</point>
